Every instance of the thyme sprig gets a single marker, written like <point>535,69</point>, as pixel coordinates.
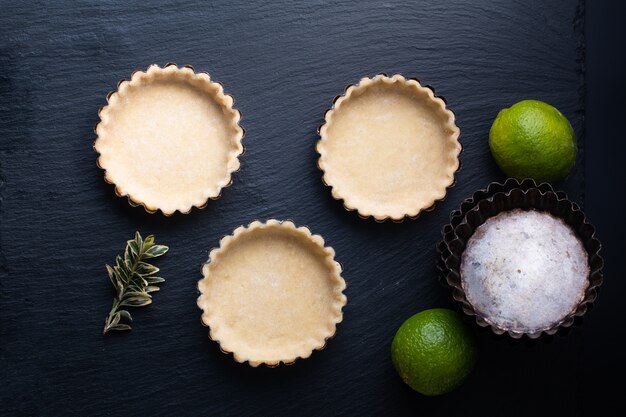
<point>133,280</point>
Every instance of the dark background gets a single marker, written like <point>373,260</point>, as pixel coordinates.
<point>284,61</point>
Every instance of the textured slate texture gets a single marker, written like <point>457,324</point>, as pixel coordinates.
<point>284,62</point>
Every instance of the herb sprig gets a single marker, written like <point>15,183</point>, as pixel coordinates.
<point>133,280</point>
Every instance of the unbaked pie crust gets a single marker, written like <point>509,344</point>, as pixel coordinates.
<point>389,148</point>
<point>271,293</point>
<point>169,139</point>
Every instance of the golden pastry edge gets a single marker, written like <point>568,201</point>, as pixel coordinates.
<point>451,118</point>
<point>234,165</point>
<point>335,270</point>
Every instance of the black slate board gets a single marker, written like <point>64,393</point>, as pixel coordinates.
<point>283,61</point>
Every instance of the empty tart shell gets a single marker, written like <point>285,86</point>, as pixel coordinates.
<point>389,148</point>
<point>271,293</point>
<point>169,139</point>
<point>509,198</point>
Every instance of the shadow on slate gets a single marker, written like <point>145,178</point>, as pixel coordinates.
<point>284,62</point>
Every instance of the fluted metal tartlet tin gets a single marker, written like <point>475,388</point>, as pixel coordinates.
<point>501,197</point>
<point>227,100</point>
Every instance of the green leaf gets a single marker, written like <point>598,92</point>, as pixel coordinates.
<point>151,288</point>
<point>144,268</point>
<point>125,314</point>
<point>156,250</point>
<point>139,282</point>
<point>134,247</point>
<point>122,274</point>
<point>129,294</point>
<point>120,292</point>
<point>138,239</point>
<point>154,280</point>
<point>121,327</point>
<point>121,270</point>
<point>112,277</point>
<point>136,302</point>
<point>148,242</point>
<point>116,319</point>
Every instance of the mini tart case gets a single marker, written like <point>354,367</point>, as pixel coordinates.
<point>453,149</point>
<point>501,197</point>
<point>116,171</point>
<point>222,323</point>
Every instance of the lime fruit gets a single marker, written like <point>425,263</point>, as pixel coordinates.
<point>434,351</point>
<point>532,139</point>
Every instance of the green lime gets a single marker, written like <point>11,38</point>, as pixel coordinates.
<point>532,139</point>
<point>433,351</point>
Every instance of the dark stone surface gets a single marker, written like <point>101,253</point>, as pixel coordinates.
<point>605,204</point>
<point>283,62</point>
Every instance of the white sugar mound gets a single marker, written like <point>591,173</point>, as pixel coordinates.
<point>524,270</point>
